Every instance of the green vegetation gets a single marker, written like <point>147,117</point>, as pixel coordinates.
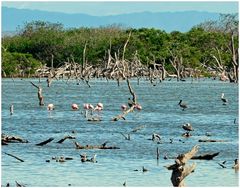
<point>209,47</point>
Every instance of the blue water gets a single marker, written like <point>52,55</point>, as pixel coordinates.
<point>160,114</point>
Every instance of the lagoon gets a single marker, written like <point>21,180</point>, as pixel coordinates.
<point>160,114</point>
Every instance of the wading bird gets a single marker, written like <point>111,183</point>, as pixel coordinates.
<point>224,100</point>
<point>74,106</point>
<point>50,107</point>
<point>124,107</point>
<point>187,127</point>
<point>182,105</point>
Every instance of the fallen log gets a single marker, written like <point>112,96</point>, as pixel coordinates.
<point>4,143</point>
<point>206,156</point>
<point>12,139</point>
<point>45,142</point>
<point>78,146</point>
<point>179,170</point>
<point>66,137</point>
<point>202,140</point>
<point>14,156</point>
<point>94,119</point>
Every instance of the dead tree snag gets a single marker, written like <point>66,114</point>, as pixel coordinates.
<point>179,170</point>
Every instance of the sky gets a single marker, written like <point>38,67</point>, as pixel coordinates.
<point>101,8</point>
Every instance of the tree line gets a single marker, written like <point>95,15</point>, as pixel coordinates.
<point>210,48</point>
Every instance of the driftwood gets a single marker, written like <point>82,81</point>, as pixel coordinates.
<point>179,170</point>
<point>206,156</point>
<point>40,96</point>
<point>66,137</point>
<point>45,142</point>
<point>14,156</point>
<point>202,140</point>
<point>78,146</point>
<point>12,139</point>
<point>138,128</point>
<point>4,143</point>
<point>94,118</point>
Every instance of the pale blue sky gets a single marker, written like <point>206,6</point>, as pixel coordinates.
<point>100,8</point>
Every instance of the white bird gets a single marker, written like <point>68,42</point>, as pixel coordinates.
<point>50,107</point>
<point>224,99</point>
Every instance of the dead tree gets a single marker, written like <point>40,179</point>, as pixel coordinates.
<point>12,139</point>
<point>134,99</point>
<point>40,96</point>
<point>177,63</point>
<point>179,170</point>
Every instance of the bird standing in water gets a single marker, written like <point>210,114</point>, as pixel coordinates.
<point>224,100</point>
<point>182,105</point>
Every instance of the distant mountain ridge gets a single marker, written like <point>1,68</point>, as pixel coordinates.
<point>168,21</point>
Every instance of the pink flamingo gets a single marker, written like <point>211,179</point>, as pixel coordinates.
<point>124,107</point>
<point>100,105</point>
<point>74,106</point>
<point>98,108</point>
<point>138,107</point>
<point>87,107</point>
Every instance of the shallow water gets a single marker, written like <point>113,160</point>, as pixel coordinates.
<point>160,114</point>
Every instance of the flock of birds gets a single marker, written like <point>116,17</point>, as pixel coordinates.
<point>124,107</point>
<point>99,107</point>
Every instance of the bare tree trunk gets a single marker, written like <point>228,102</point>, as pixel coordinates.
<point>180,171</point>
<point>134,99</point>
<point>234,58</point>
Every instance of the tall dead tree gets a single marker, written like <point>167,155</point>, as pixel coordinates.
<point>177,63</point>
<point>134,100</point>
<point>180,170</point>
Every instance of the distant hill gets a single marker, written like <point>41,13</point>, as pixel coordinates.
<point>168,21</point>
